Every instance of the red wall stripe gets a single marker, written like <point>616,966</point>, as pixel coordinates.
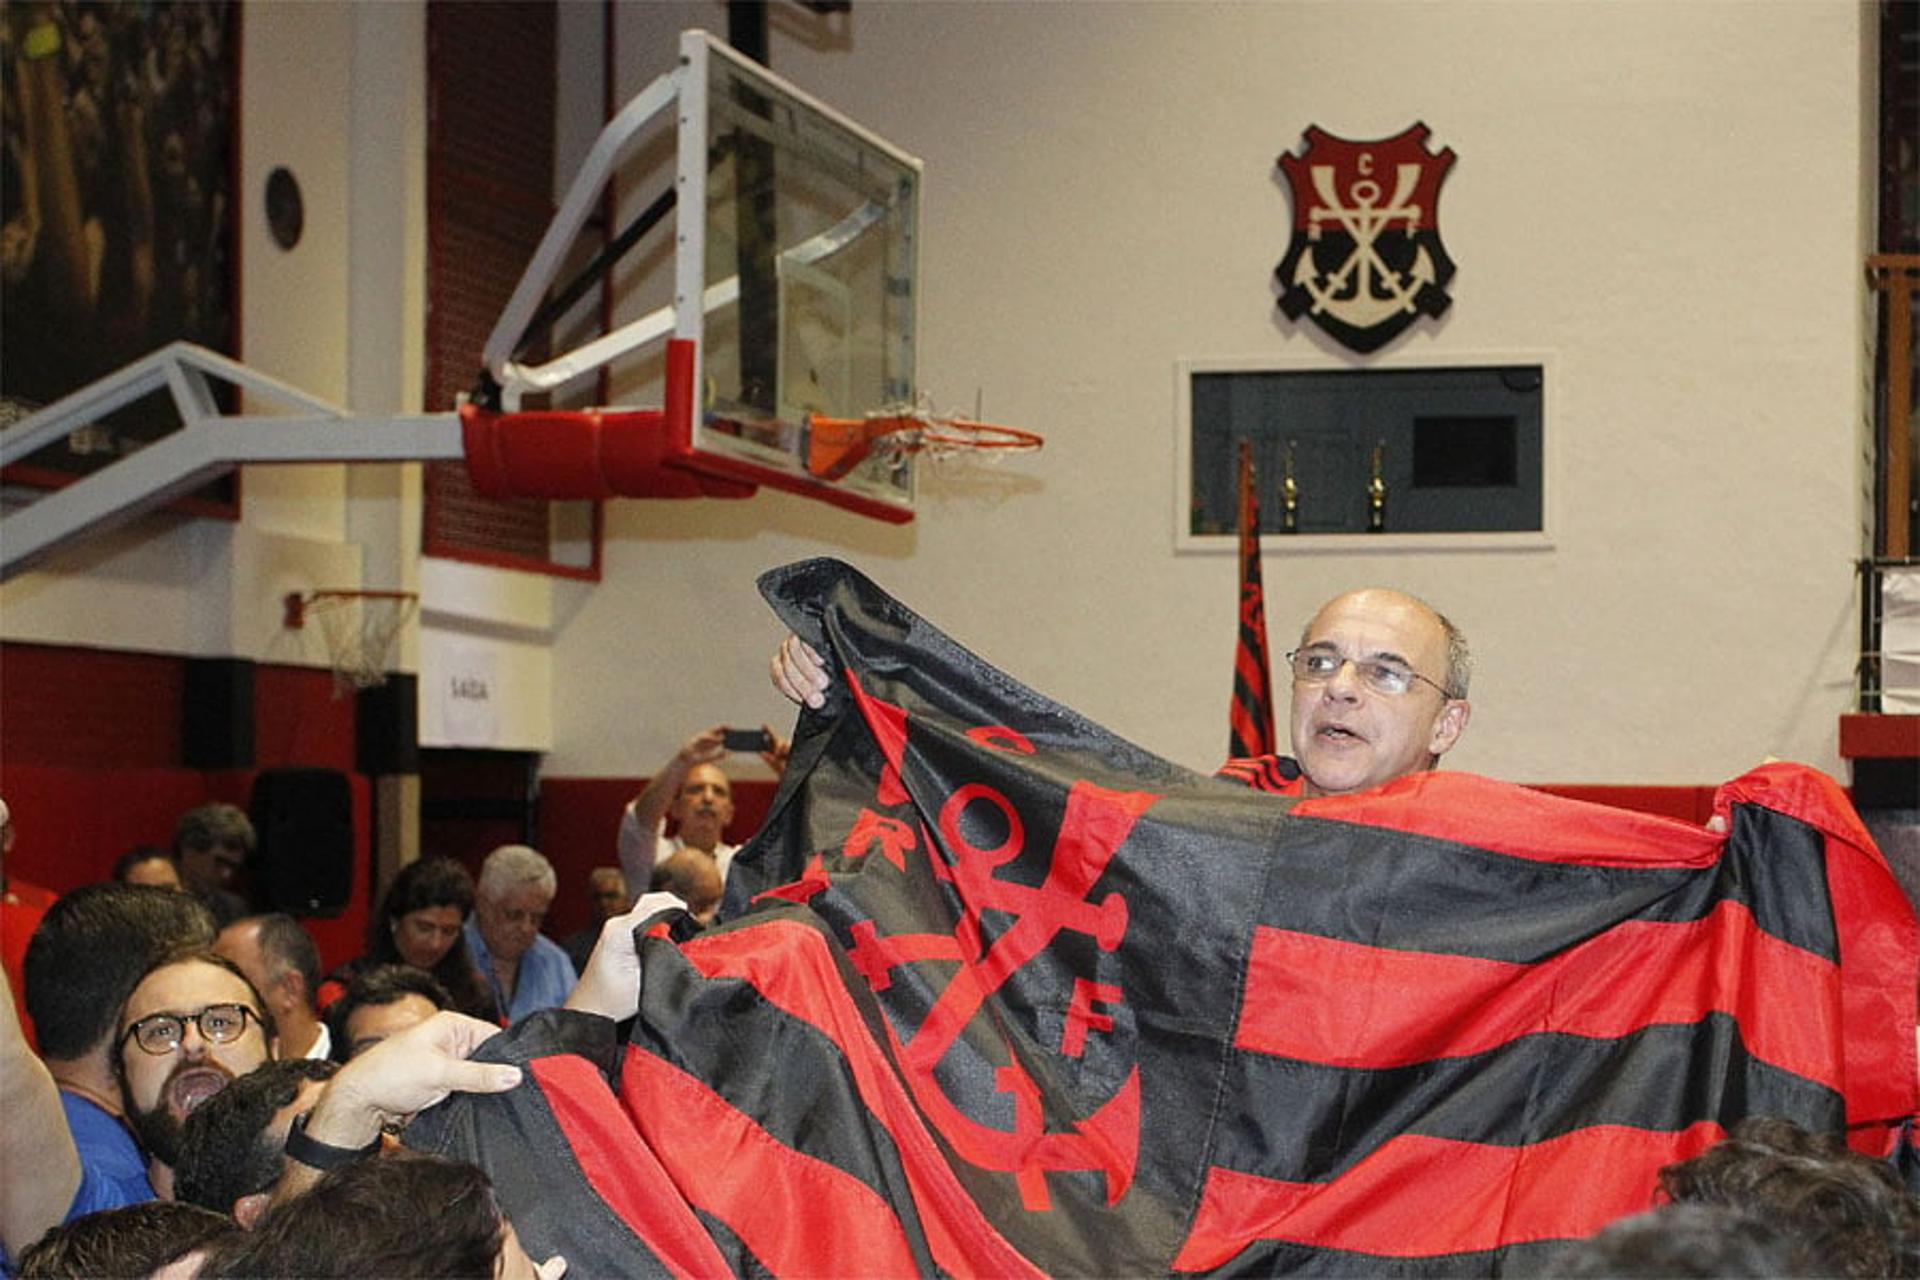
<point>96,708</point>
<point>1352,1005</point>
<point>788,963</point>
<point>1452,1197</point>
<point>623,1171</point>
<point>798,1214</point>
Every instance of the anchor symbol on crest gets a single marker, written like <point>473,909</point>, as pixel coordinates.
<point>1361,269</point>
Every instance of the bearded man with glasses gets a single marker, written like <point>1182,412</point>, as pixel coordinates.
<point>191,1027</point>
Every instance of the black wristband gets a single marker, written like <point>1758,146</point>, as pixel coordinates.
<point>322,1155</point>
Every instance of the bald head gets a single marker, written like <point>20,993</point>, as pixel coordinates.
<point>1378,692</point>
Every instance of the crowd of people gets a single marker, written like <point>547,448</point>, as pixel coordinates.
<point>204,1099</point>
<point>175,1067</point>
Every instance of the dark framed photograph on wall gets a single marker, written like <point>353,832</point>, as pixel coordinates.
<point>120,228</point>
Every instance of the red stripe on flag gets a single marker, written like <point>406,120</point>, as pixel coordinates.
<point>1881,939</point>
<point>1351,1005</point>
<point>1449,1197</point>
<point>1521,823</point>
<point>789,964</point>
<point>620,1167</point>
<point>799,1215</point>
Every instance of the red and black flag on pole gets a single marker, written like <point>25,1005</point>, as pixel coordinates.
<point>999,993</point>
<point>1250,718</point>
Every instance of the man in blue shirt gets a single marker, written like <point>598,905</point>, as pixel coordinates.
<point>65,1148</point>
<point>526,970</point>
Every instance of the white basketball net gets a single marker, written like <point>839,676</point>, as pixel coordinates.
<point>361,633</point>
<point>940,438</point>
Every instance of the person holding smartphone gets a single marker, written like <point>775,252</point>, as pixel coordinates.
<point>693,790</point>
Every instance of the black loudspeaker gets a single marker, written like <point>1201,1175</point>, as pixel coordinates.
<point>303,819</point>
<point>216,714</point>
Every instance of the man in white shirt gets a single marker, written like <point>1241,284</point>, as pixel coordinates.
<point>691,789</point>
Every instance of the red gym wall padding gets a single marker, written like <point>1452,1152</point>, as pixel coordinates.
<point>93,765</point>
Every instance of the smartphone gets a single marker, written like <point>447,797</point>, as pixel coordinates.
<point>747,740</point>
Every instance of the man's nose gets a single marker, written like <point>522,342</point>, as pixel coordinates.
<point>1344,684</point>
<point>193,1045</point>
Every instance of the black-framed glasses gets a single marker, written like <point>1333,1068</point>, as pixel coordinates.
<point>1382,675</point>
<point>159,1033</point>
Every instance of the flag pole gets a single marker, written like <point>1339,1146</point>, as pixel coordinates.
<point>1250,716</point>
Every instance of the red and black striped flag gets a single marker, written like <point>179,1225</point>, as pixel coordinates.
<point>1002,994</point>
<point>1250,718</point>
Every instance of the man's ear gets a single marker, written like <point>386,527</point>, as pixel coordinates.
<point>1449,725</point>
<point>249,1209</point>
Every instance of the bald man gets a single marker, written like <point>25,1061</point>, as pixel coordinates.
<point>1379,692</point>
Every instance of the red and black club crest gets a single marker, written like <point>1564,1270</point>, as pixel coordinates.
<point>1366,259</point>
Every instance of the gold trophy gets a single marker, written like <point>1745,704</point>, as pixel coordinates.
<point>1290,495</point>
<point>1377,493</point>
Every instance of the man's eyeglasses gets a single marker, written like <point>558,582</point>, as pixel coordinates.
<point>159,1033</point>
<point>1382,675</point>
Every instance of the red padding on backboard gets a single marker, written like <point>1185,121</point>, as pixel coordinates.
<point>595,453</point>
<point>554,454</point>
<point>477,430</point>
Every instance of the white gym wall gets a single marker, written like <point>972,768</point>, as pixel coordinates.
<point>1670,200</point>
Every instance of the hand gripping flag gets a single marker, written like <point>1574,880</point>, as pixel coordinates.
<point>1002,994</point>
<point>1250,718</point>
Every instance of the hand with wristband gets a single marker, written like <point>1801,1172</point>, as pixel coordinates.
<point>383,1088</point>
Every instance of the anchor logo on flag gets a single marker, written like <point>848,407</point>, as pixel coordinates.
<point>1365,260</point>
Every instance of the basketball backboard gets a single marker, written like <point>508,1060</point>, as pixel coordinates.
<point>795,278</point>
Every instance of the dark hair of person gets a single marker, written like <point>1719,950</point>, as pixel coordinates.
<point>224,1151</point>
<point>133,1240</point>
<point>1847,1210</point>
<point>404,1214</point>
<point>432,882</point>
<point>90,952</point>
<point>1684,1240</point>
<point>427,882</point>
<point>124,864</point>
<point>381,984</point>
<point>214,826</point>
<point>286,945</point>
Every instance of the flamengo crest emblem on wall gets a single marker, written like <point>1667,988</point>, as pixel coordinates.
<point>1366,259</point>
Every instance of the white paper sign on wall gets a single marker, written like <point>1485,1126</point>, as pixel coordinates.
<point>470,695</point>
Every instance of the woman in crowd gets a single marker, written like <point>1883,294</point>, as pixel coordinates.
<point>419,923</point>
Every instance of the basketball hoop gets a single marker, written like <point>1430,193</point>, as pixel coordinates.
<point>361,630</point>
<point>835,446</point>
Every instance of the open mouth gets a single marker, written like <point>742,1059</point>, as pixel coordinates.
<point>188,1089</point>
<point>1337,733</point>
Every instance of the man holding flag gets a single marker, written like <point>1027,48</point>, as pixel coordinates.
<point>999,993</point>
<point>1379,692</point>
